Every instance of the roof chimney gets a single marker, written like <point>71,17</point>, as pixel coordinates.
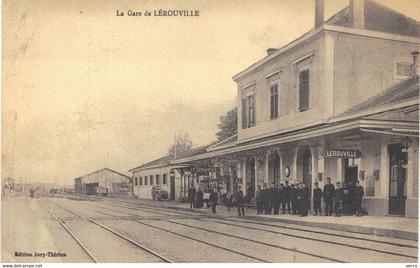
<point>414,68</point>
<point>271,51</point>
<point>319,13</point>
<point>357,13</point>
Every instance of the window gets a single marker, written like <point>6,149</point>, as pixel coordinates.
<point>141,181</point>
<point>404,70</point>
<point>145,180</point>
<point>135,181</point>
<point>164,179</point>
<point>248,112</point>
<point>274,101</point>
<point>157,179</point>
<point>151,180</point>
<point>304,90</point>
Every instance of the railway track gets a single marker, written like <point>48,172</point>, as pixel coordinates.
<point>231,222</point>
<point>114,232</point>
<point>293,250</point>
<point>238,220</point>
<point>228,221</point>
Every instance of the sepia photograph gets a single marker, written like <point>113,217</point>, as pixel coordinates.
<point>195,131</point>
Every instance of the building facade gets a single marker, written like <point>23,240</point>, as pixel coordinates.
<point>176,179</point>
<point>341,101</point>
<point>107,180</point>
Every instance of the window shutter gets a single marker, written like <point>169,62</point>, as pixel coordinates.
<point>252,104</point>
<point>304,90</point>
<point>244,119</point>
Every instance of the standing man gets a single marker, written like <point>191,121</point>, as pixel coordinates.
<point>240,202</point>
<point>305,200</point>
<point>358,196</point>
<point>338,200</point>
<point>265,198</point>
<point>299,196</point>
<point>328,194</point>
<point>278,199</point>
<point>287,195</point>
<point>213,199</point>
<point>258,200</point>
<point>191,196</point>
<point>317,194</point>
<point>271,198</point>
<point>293,198</point>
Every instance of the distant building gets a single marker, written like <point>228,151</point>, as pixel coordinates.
<point>112,182</point>
<point>175,179</point>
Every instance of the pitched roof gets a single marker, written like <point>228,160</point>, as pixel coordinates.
<point>379,18</point>
<point>405,90</point>
<point>166,160</point>
<point>105,169</point>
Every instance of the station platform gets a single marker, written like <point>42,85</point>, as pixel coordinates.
<point>388,226</point>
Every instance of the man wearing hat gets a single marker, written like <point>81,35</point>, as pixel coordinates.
<point>287,196</point>
<point>317,194</point>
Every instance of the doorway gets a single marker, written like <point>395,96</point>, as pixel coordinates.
<point>397,179</point>
<point>351,170</point>
<point>304,161</point>
<point>172,188</point>
<point>250,178</point>
<point>274,169</point>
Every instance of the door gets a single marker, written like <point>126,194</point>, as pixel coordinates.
<point>274,169</point>
<point>172,188</point>
<point>397,179</point>
<point>351,170</point>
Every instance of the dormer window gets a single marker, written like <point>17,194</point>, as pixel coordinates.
<point>403,70</point>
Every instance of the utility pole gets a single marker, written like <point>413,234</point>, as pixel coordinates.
<point>175,146</point>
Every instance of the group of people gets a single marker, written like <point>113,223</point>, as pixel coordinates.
<point>341,199</point>
<point>292,198</point>
<point>211,197</point>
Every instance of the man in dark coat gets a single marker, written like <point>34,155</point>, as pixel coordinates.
<point>191,196</point>
<point>272,192</point>
<point>287,195</point>
<point>265,198</point>
<point>304,200</point>
<point>199,199</point>
<point>240,202</point>
<point>328,195</point>
<point>258,200</point>
<point>278,198</point>
<point>352,202</point>
<point>299,196</point>
<point>338,200</point>
<point>213,200</point>
<point>358,196</point>
<point>346,199</point>
<point>317,194</point>
<point>293,198</point>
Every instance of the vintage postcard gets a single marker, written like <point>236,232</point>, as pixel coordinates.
<point>224,131</point>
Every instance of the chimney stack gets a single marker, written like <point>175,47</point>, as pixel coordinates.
<point>271,51</point>
<point>414,68</point>
<point>319,13</point>
<point>357,13</point>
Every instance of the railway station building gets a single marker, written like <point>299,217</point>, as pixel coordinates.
<point>341,101</point>
<point>104,181</point>
<point>173,178</point>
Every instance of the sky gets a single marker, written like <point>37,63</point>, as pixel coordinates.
<point>84,89</point>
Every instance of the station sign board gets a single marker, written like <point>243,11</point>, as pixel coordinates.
<point>339,153</point>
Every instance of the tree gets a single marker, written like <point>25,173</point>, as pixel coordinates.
<point>228,125</point>
<point>182,145</point>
